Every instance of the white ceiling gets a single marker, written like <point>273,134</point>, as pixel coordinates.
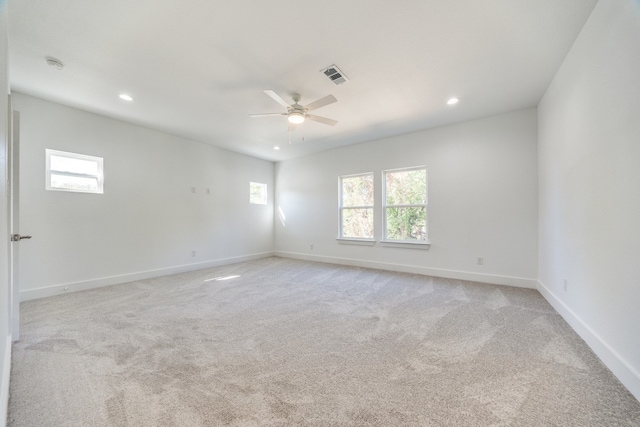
<point>197,69</point>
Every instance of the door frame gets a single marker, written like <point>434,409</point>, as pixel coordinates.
<point>14,219</point>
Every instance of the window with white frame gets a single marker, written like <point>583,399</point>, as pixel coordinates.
<point>257,193</point>
<point>405,205</point>
<point>74,172</point>
<point>356,206</point>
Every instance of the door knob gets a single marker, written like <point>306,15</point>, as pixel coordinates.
<point>17,237</point>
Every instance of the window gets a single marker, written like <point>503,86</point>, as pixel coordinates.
<point>73,172</point>
<point>405,205</point>
<point>257,193</point>
<point>356,206</point>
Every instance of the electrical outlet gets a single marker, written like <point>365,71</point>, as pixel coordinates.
<point>193,253</point>
<point>565,282</point>
<point>480,260</point>
<point>311,246</point>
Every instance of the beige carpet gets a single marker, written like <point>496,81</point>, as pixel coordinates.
<point>294,343</point>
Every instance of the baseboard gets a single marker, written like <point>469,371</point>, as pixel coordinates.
<point>436,272</point>
<point>48,291</point>
<point>627,375</point>
<point>6,376</point>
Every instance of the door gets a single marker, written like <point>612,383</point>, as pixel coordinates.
<point>14,224</point>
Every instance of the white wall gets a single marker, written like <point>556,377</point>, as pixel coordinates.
<point>482,200</point>
<point>5,321</point>
<point>589,182</point>
<point>148,221</point>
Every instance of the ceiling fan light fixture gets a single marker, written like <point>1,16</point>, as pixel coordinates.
<point>296,118</point>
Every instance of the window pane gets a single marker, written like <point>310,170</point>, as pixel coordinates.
<point>407,223</point>
<point>357,223</point>
<point>73,172</point>
<point>66,164</point>
<point>74,182</point>
<point>406,187</point>
<point>257,193</point>
<point>357,191</point>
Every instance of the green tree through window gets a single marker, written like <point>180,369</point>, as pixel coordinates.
<point>356,206</point>
<point>405,208</point>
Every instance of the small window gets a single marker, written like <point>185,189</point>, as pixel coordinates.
<point>405,205</point>
<point>356,206</point>
<point>74,172</point>
<point>257,193</point>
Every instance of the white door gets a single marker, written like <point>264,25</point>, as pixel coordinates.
<point>14,209</point>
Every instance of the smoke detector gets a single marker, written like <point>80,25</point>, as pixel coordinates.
<point>53,62</point>
<point>335,75</point>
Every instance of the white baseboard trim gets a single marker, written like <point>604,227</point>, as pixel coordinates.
<point>626,373</point>
<point>48,291</point>
<point>518,282</point>
<point>6,376</point>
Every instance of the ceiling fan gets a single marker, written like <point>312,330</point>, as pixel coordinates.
<point>296,113</point>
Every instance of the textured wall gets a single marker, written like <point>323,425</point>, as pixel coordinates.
<point>482,199</point>
<point>589,152</point>
<point>148,218</point>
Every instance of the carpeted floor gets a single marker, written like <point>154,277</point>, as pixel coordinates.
<point>280,342</point>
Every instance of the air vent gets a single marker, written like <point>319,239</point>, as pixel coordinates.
<point>335,75</point>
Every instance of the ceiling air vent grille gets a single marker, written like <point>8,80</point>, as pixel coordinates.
<point>335,75</point>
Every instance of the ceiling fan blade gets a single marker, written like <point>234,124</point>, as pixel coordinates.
<point>277,98</point>
<point>329,99</point>
<point>267,114</point>
<point>323,120</point>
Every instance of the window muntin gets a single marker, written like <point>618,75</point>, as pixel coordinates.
<point>74,172</point>
<point>257,193</point>
<point>356,206</point>
<point>405,205</point>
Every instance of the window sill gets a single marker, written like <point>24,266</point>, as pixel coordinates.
<point>385,243</point>
<point>360,242</point>
<point>406,245</point>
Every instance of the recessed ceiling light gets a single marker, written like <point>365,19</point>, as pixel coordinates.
<point>452,101</point>
<point>276,148</point>
<point>126,97</point>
